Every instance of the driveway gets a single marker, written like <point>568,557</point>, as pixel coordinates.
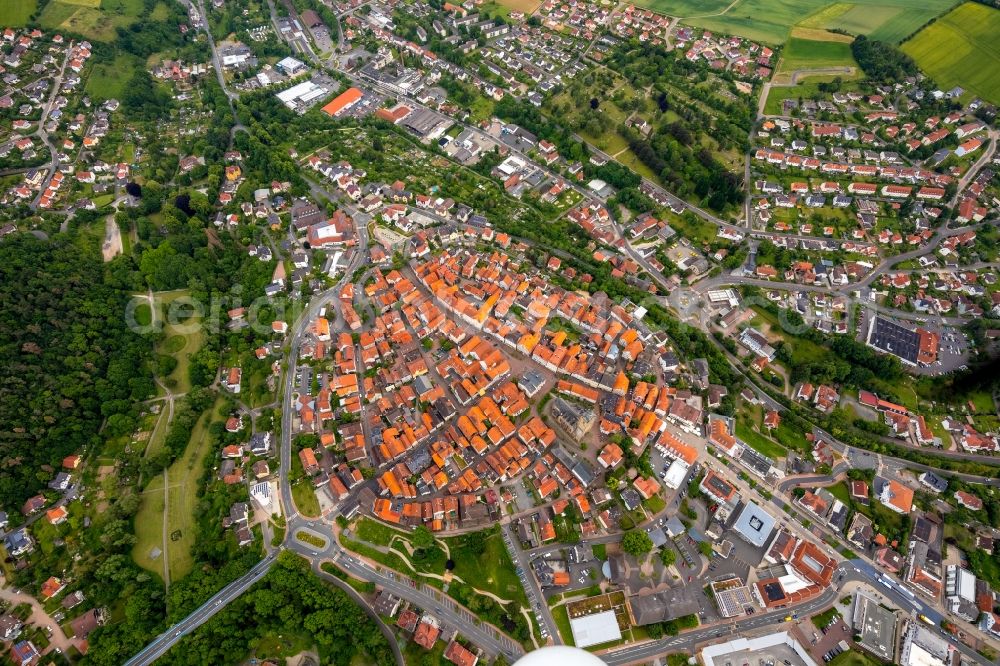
<point>38,617</point>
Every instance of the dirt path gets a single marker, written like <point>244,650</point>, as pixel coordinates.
<point>166,537</point>
<point>112,239</point>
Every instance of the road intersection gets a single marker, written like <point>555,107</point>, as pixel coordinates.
<point>483,635</point>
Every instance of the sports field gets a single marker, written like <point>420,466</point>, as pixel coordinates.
<point>771,21</point>
<point>962,48</point>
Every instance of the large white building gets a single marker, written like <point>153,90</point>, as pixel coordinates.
<point>595,629</point>
<point>747,650</point>
<point>754,524</point>
<point>960,589</point>
<point>923,647</point>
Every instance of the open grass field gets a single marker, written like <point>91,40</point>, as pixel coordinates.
<point>108,80</point>
<point>149,528</point>
<point>492,570</point>
<point>806,90</point>
<point>759,442</point>
<point>182,337</point>
<point>94,19</point>
<point>177,508</point>
<point>962,49</point>
<point>184,476</point>
<point>526,6</point>
<point>852,658</point>
<point>304,496</point>
<point>16,13</point>
<point>771,21</point>
<point>807,53</point>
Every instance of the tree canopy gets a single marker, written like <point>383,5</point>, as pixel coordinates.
<point>68,358</point>
<point>637,543</point>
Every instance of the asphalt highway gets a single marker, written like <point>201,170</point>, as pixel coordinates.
<point>174,634</point>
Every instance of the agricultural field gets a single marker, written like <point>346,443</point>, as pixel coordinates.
<point>94,19</point>
<point>771,21</point>
<point>961,49</point>
<point>887,20</point>
<point>505,7</point>
<point>16,13</point>
<point>802,53</point>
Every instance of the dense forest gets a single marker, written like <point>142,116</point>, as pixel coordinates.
<point>882,61</point>
<point>67,358</point>
<point>288,602</point>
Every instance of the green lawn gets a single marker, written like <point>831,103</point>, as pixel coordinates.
<point>961,49</point>
<point>184,476</point>
<point>790,437</point>
<point>143,315</point>
<point>16,13</point>
<point>306,537</point>
<point>982,401</point>
<point>107,80</point>
<point>377,533</point>
<point>802,53</point>
<point>853,658</point>
<point>840,491</point>
<point>492,570</point>
<point>182,337</point>
<point>304,496</point>
<point>149,527</point>
<point>695,229</point>
<point>561,616</point>
<point>390,560</point>
<point>759,442</point>
<point>655,504</point>
<point>890,21</point>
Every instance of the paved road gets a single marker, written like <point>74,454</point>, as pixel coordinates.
<point>57,638</point>
<point>174,634</point>
<point>536,597</point>
<point>44,135</point>
<point>984,159</point>
<point>851,571</point>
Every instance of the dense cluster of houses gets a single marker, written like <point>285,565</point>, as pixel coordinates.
<point>32,66</point>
